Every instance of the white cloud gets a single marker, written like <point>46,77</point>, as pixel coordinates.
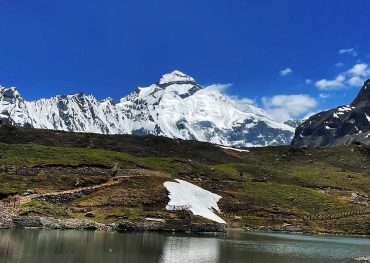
<point>349,51</point>
<point>219,86</point>
<point>244,100</point>
<point>334,84</point>
<point>285,107</point>
<point>360,70</point>
<point>286,72</point>
<point>353,77</point>
<point>355,81</point>
<point>357,75</point>
<point>339,64</point>
<point>308,81</point>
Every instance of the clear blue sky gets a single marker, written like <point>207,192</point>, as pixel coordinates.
<point>107,48</point>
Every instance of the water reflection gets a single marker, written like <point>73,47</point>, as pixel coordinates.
<point>73,246</point>
<point>38,246</point>
<point>190,249</point>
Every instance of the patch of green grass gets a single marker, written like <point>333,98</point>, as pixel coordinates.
<point>155,163</point>
<point>200,220</point>
<point>31,155</point>
<point>37,207</point>
<point>108,215</point>
<point>14,184</point>
<point>292,198</point>
<point>18,184</point>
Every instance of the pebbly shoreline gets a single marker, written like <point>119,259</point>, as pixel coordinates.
<point>38,222</point>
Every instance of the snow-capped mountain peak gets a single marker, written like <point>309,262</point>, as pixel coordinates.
<point>176,106</point>
<point>175,77</point>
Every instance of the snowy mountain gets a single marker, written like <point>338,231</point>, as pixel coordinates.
<point>176,106</point>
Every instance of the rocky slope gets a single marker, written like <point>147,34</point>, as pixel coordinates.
<point>342,125</point>
<point>176,107</point>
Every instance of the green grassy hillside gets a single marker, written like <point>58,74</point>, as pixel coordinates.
<point>279,184</point>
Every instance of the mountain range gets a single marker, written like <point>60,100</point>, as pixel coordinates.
<point>176,106</point>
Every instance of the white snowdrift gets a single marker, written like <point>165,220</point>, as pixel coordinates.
<point>197,200</point>
<point>234,149</point>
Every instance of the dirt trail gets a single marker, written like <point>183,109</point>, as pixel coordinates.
<point>111,181</point>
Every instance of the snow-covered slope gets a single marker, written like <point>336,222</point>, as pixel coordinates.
<point>199,201</point>
<point>176,107</point>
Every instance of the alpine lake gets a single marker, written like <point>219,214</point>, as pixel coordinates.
<point>52,246</point>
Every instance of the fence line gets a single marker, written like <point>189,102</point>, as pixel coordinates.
<point>338,215</point>
<point>11,201</point>
<point>306,217</point>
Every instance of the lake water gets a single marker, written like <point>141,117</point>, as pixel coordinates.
<point>39,246</point>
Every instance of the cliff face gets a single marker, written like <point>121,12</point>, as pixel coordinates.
<point>342,125</point>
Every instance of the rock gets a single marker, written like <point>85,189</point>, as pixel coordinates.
<point>54,223</point>
<point>75,224</point>
<point>28,192</point>
<point>6,216</point>
<point>349,124</point>
<point>90,214</point>
<point>124,226</point>
<point>208,227</point>
<point>65,197</point>
<point>27,222</point>
<point>365,259</point>
<point>90,227</point>
<point>292,228</point>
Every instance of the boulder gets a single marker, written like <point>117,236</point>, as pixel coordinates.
<point>90,214</point>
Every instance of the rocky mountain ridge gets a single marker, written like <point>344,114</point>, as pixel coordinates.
<point>342,125</point>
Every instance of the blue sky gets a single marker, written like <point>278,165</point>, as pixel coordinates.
<point>318,51</point>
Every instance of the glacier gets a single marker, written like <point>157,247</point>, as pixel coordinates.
<point>176,106</point>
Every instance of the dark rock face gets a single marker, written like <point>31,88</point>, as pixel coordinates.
<point>168,225</point>
<point>128,226</point>
<point>54,223</point>
<point>89,214</point>
<point>27,222</point>
<point>342,125</point>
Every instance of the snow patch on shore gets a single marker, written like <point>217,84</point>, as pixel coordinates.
<point>199,201</point>
<point>234,149</point>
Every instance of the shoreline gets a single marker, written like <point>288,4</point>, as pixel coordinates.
<point>49,223</point>
<point>299,233</point>
<point>38,222</point>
